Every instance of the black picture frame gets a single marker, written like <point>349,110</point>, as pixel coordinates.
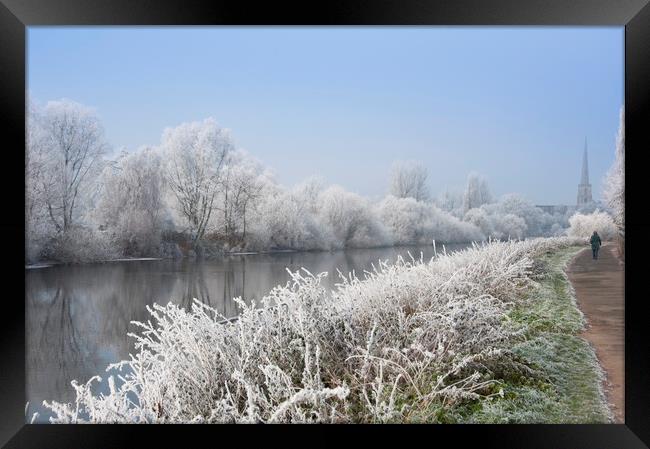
<point>634,15</point>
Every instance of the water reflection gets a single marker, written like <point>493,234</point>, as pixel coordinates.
<point>78,316</point>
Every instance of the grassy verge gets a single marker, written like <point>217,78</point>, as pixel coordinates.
<point>566,387</point>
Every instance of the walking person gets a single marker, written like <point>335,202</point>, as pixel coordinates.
<point>595,244</point>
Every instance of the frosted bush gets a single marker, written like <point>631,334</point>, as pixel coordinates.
<point>514,217</point>
<point>396,346</point>
<point>476,193</point>
<point>509,226</point>
<point>352,220</point>
<point>497,226</point>
<point>283,220</point>
<point>409,180</point>
<point>515,205</point>
<point>130,205</point>
<point>451,202</point>
<point>480,218</point>
<point>557,230</point>
<point>194,155</point>
<point>80,244</point>
<point>614,182</point>
<point>416,222</point>
<point>583,225</point>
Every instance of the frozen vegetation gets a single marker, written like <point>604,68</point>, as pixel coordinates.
<point>481,335</point>
<point>583,225</point>
<point>196,194</point>
<point>614,191</point>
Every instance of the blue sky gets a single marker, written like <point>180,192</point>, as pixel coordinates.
<point>512,103</point>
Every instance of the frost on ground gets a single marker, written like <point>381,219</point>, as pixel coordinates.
<point>415,341</point>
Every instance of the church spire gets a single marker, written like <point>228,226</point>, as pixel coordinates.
<point>584,188</point>
<point>585,167</point>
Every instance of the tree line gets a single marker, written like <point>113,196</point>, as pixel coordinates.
<point>195,193</point>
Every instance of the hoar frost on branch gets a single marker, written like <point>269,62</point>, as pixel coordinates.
<point>194,156</point>
<point>351,218</point>
<point>131,201</point>
<point>241,189</point>
<point>195,191</point>
<point>410,221</point>
<point>65,145</point>
<point>402,344</point>
<point>477,192</point>
<point>583,225</point>
<point>409,180</point>
<point>614,191</point>
<point>75,140</point>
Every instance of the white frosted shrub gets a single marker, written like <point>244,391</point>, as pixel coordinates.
<point>283,220</point>
<point>476,193</point>
<point>80,244</point>
<point>408,339</point>
<point>352,220</point>
<point>416,222</point>
<point>583,225</point>
<point>514,217</point>
<point>479,218</point>
<point>509,226</point>
<point>557,230</point>
<point>130,204</point>
<point>447,228</point>
<point>409,180</point>
<point>614,182</point>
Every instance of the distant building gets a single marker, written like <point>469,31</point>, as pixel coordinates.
<point>556,209</point>
<point>585,200</point>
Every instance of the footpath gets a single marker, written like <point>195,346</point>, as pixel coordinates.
<point>599,289</point>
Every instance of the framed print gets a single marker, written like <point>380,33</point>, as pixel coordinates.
<point>414,217</point>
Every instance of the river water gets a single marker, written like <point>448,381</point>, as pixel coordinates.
<point>78,316</point>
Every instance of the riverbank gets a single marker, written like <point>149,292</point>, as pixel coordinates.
<point>569,388</point>
<point>487,334</point>
<point>213,256</point>
<point>599,288</point>
<point>53,263</point>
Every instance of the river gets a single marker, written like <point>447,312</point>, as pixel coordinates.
<point>78,316</point>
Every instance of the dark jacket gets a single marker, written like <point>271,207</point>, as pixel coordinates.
<point>595,241</point>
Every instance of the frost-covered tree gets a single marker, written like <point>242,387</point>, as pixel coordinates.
<point>517,205</point>
<point>70,146</point>
<point>131,203</point>
<point>194,155</point>
<point>415,222</point>
<point>476,193</point>
<point>514,217</point>
<point>409,180</point>
<point>243,181</point>
<point>351,218</point>
<point>38,224</point>
<point>309,190</point>
<point>451,201</point>
<point>283,221</point>
<point>405,219</point>
<point>509,226</point>
<point>614,189</point>
<point>583,225</point>
<point>65,143</point>
<point>480,218</point>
